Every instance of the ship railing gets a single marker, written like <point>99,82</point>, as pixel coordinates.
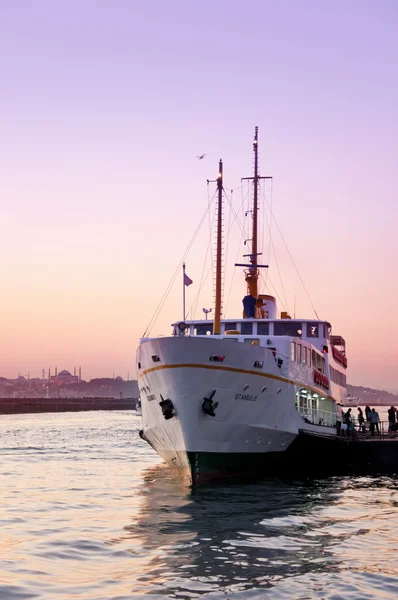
<point>385,430</point>
<point>316,416</point>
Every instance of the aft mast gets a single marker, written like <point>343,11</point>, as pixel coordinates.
<point>252,273</point>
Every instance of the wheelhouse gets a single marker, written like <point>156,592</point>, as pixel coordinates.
<point>316,333</point>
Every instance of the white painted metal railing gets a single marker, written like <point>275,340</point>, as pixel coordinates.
<point>317,417</point>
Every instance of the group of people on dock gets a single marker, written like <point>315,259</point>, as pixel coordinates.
<point>371,417</point>
<point>369,421</point>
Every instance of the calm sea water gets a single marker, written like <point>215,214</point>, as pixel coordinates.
<point>87,510</point>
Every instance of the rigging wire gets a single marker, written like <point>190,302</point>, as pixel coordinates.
<point>243,237</point>
<point>263,222</point>
<point>168,288</point>
<point>227,242</point>
<point>211,227</point>
<point>192,310</point>
<point>279,274</point>
<point>274,288</point>
<point>209,270</point>
<point>271,244</point>
<point>230,225</point>
<point>269,223</point>
<point>291,258</point>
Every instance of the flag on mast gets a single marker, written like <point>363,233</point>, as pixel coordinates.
<point>187,280</point>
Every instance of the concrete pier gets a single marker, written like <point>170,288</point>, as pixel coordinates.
<point>11,406</point>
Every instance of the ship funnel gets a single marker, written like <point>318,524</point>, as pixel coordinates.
<point>267,307</point>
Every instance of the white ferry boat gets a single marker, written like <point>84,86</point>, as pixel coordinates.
<point>249,396</point>
<point>351,401</point>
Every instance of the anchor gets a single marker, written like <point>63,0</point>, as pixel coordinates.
<point>167,408</point>
<point>208,406</point>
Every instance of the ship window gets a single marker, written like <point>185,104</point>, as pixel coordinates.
<point>337,377</point>
<point>139,365</point>
<point>290,328</point>
<point>216,358</point>
<point>318,362</point>
<point>258,364</point>
<point>246,328</point>
<point>312,330</point>
<point>293,351</point>
<point>204,329</point>
<point>254,342</point>
<point>304,355</point>
<point>299,353</point>
<point>155,358</point>
<point>262,328</point>
<point>229,326</point>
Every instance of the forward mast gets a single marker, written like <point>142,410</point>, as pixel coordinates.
<point>252,269</point>
<point>217,309</point>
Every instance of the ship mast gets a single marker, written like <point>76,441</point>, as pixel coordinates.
<point>217,310</point>
<point>252,274</point>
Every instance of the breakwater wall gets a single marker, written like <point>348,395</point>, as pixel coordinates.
<point>13,406</point>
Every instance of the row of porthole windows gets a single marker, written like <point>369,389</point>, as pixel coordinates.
<point>338,377</point>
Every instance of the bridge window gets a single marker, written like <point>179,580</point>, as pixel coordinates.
<point>204,329</point>
<point>312,330</point>
<point>293,351</point>
<point>230,326</point>
<point>262,328</point>
<point>290,328</point>
<point>246,328</point>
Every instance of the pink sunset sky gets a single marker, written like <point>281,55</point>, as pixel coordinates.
<point>104,107</point>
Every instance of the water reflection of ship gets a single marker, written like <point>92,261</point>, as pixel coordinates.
<point>137,407</point>
<point>229,538</point>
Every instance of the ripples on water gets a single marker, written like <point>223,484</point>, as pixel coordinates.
<point>87,510</point>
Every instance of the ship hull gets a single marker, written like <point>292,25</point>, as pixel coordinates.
<point>255,419</point>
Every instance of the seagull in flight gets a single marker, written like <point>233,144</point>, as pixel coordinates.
<point>201,157</point>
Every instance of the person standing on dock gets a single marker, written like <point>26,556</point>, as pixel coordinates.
<point>374,422</point>
<point>391,418</point>
<point>367,412</point>
<point>348,421</point>
<point>361,419</point>
<point>339,418</point>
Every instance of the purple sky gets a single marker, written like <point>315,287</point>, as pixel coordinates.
<point>103,109</point>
